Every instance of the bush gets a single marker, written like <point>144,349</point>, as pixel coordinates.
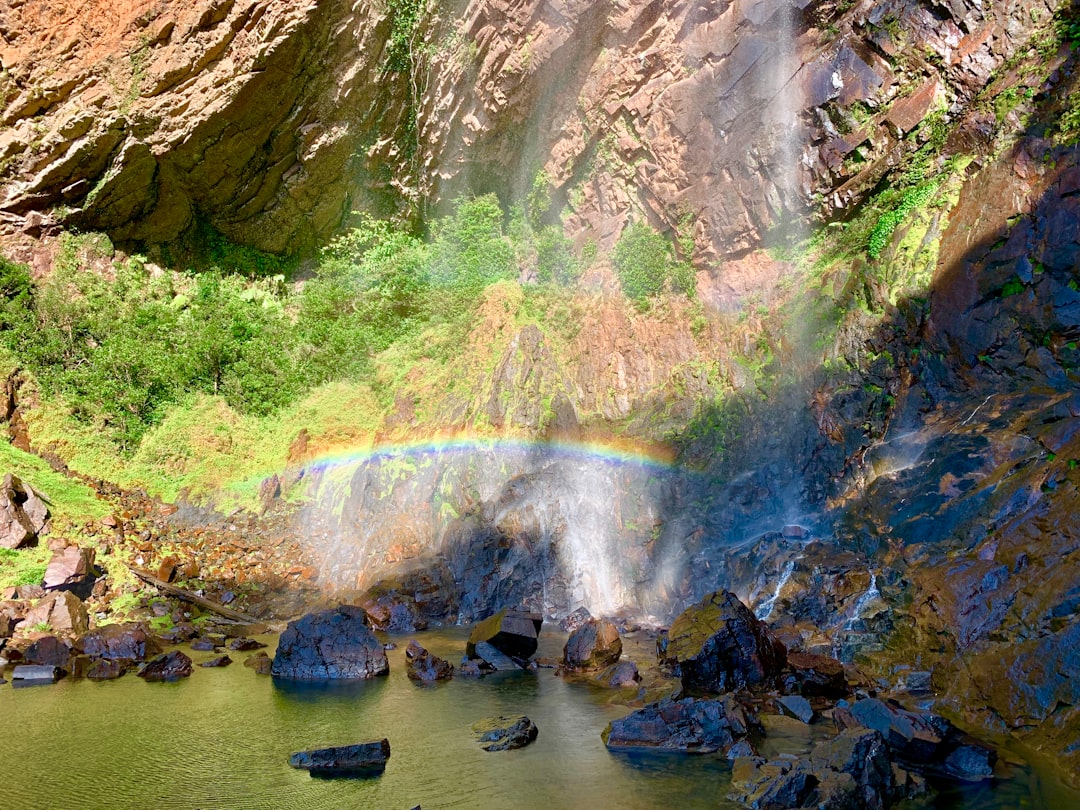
<point>646,265</point>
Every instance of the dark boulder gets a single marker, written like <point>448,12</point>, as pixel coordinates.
<point>359,759</point>
<point>719,645</point>
<point>62,611</point>
<point>593,645</point>
<point>104,669</point>
<point>23,514</point>
<point>48,651</point>
<point>217,661</point>
<point>693,725</point>
<point>863,755</point>
<point>243,644</point>
<point>204,644</point>
<point>392,610</point>
<point>332,644</point>
<point>504,733</point>
<point>923,741</point>
<point>170,666</point>
<point>796,706</point>
<point>781,783</point>
<point>423,666</point>
<point>71,568</point>
<point>129,641</point>
<point>512,633</point>
<point>618,676</point>
<point>817,674</point>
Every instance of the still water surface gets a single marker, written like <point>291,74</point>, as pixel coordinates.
<point>222,738</point>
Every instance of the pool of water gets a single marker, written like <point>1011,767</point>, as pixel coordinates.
<point>222,738</point>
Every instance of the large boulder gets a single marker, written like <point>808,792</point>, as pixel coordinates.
<point>62,611</point>
<point>816,674</point>
<point>48,651</point>
<point>513,633</point>
<point>71,568</point>
<point>23,513</point>
<point>332,644</point>
<point>423,666</point>
<point>923,741</point>
<point>595,644</point>
<point>170,666</point>
<point>693,725</point>
<point>504,733</point>
<point>128,641</point>
<point>362,758</point>
<point>718,645</point>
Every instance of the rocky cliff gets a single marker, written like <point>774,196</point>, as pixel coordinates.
<point>270,120</point>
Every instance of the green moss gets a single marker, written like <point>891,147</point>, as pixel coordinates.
<point>23,566</point>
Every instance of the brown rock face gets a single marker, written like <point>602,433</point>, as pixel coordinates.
<point>63,611</point>
<point>270,120</point>
<point>594,645</point>
<point>22,513</point>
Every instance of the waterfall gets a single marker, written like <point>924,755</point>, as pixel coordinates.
<point>765,609</point>
<point>871,593</point>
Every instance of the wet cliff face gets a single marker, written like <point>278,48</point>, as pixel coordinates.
<point>271,120</point>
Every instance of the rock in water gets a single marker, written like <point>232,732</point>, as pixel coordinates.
<point>35,672</point>
<point>719,645</point>
<point>23,514</point>
<point>63,611</point>
<point>332,644</point>
<point>217,661</point>
<point>796,706</point>
<point>48,651</point>
<point>260,662</point>
<point>128,641</point>
<point>105,670</point>
<point>693,725</point>
<point>423,666</point>
<point>168,666</point>
<point>369,757</point>
<point>494,659</point>
<point>595,644</point>
<point>504,733</point>
<point>512,633</point>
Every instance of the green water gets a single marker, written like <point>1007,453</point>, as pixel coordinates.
<point>221,739</point>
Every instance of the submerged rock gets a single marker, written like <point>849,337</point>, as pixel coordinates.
<point>260,662</point>
<point>719,645</point>
<point>423,666</point>
<point>358,759</point>
<point>168,666</point>
<point>593,645</point>
<point>243,644</point>
<point>129,641</point>
<point>504,733</point>
<point>693,725</point>
<point>104,669</point>
<point>332,644</point>
<point>512,633</point>
<point>618,676</point>
<point>217,661</point>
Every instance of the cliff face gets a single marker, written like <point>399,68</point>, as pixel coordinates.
<point>271,120</point>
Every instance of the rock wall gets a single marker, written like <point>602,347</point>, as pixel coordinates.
<point>271,120</point>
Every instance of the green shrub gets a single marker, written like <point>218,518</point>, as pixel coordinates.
<point>646,265</point>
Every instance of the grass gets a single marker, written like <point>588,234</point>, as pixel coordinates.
<point>70,500</point>
<point>25,566</point>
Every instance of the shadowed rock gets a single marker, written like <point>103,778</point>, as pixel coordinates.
<point>818,674</point>
<point>423,666</point>
<point>332,644</point>
<point>693,725</point>
<point>48,651</point>
<point>369,757</point>
<point>128,641</point>
<point>168,666</point>
<point>595,644</point>
<point>260,662</point>
<point>105,670</point>
<point>217,661</point>
<point>504,733</point>
<point>71,568</point>
<point>510,632</point>
<point>719,645</point>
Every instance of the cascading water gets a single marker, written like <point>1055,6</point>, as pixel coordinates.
<point>869,595</point>
<point>765,609</point>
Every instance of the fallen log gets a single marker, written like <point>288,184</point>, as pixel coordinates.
<point>194,598</point>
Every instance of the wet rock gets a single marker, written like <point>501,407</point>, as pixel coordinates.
<point>260,662</point>
<point>796,706</point>
<point>217,661</point>
<point>368,757</point>
<point>781,783</point>
<point>817,674</point>
<point>245,644</point>
<point>423,666</point>
<point>179,633</point>
<point>572,621</point>
<point>35,672</point>
<point>332,644</point>
<point>23,514</point>
<point>921,740</point>
<point>495,660</point>
<point>593,645</point>
<point>862,755</point>
<point>618,676</point>
<point>504,733</point>
<point>693,725</point>
<point>104,669</point>
<point>512,633</point>
<point>128,641</point>
<point>391,609</point>
<point>71,568</point>
<point>203,644</point>
<point>48,651</point>
<point>719,645</point>
<point>474,668</point>
<point>62,611</point>
<point>168,666</point>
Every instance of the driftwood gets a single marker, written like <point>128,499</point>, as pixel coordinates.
<point>194,598</point>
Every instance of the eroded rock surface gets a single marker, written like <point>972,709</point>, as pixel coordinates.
<point>332,644</point>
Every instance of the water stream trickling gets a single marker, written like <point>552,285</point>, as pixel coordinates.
<point>765,609</point>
